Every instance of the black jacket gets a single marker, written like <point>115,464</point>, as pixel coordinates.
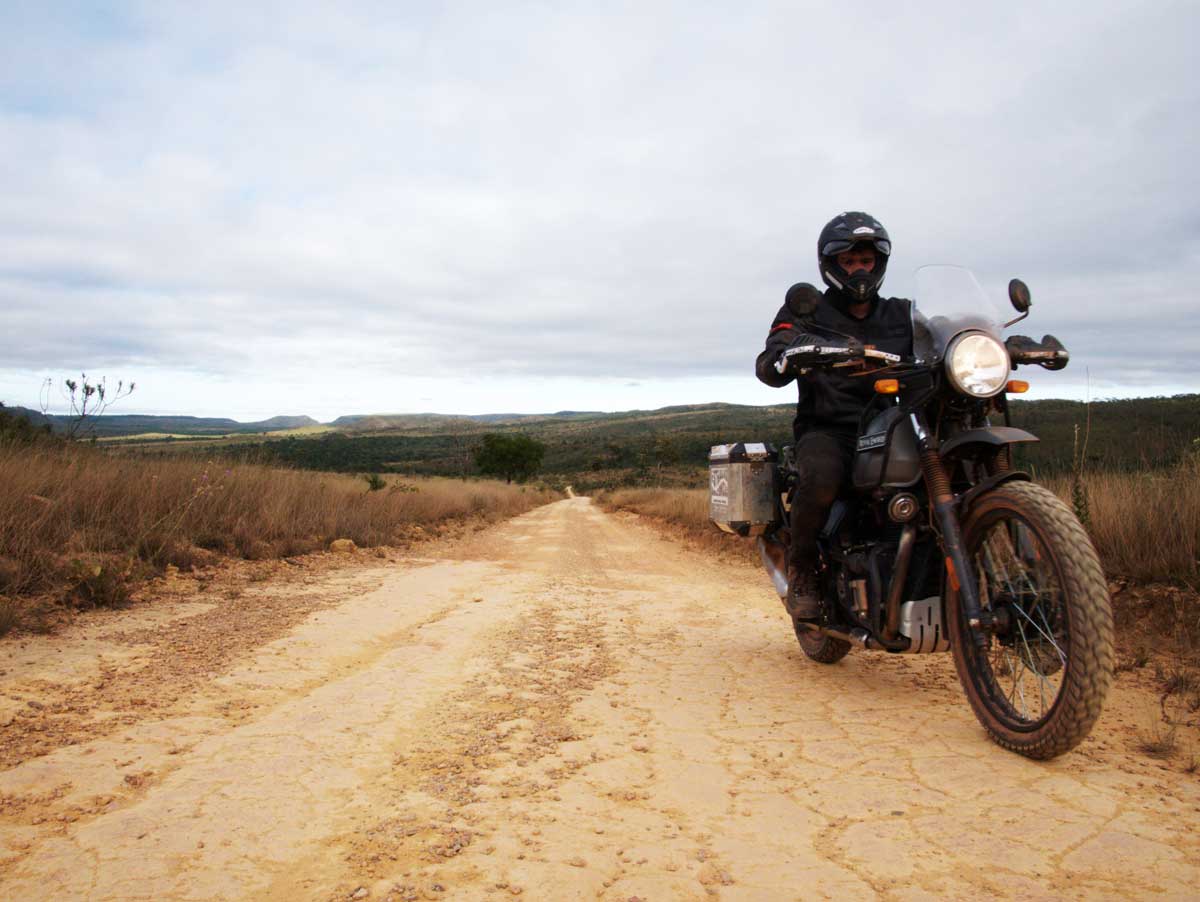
<point>833,398</point>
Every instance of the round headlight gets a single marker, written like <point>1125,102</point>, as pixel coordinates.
<point>977,364</point>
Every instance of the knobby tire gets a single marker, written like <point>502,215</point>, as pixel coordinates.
<point>1084,664</point>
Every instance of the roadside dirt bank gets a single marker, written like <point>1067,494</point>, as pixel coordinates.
<point>567,706</point>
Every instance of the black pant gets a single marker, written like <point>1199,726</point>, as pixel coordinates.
<point>823,458</point>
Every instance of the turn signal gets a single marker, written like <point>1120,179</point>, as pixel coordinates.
<point>887,386</point>
<point>1016,387</point>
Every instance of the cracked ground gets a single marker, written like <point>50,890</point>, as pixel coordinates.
<point>566,706</point>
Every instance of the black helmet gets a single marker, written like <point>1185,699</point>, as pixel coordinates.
<point>840,234</point>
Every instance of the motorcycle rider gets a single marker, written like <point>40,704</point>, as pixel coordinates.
<point>852,254</point>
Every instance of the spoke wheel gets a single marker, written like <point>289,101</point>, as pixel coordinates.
<point>1038,684</point>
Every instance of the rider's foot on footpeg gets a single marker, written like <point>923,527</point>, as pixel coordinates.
<point>802,602</point>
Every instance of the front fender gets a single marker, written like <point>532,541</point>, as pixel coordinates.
<point>987,435</point>
<point>967,498</point>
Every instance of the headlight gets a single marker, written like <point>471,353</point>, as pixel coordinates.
<point>977,364</point>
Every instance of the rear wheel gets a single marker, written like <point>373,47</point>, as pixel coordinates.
<point>1038,684</point>
<point>822,649</point>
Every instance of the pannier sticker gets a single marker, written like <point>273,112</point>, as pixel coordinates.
<point>718,486</point>
<point>867,442</point>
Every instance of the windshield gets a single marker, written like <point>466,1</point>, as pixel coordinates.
<point>950,301</point>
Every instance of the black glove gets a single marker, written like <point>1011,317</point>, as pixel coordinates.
<point>1061,355</point>
<point>1048,352</point>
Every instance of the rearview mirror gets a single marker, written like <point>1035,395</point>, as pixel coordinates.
<point>1018,294</point>
<point>802,299</point>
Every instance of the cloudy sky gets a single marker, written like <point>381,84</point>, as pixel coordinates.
<point>262,208</point>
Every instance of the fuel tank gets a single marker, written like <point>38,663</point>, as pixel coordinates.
<point>886,454</point>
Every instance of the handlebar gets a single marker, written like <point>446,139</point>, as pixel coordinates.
<point>1048,353</point>
<point>831,354</point>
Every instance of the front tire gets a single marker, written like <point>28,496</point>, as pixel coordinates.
<point>1039,683</point>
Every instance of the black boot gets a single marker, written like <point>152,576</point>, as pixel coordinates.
<point>803,601</point>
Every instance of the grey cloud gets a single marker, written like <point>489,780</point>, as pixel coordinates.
<point>610,193</point>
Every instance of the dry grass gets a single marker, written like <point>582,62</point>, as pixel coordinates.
<point>683,511</point>
<point>1158,739</point>
<point>1146,526</point>
<point>687,507</point>
<point>10,615</point>
<point>1191,762</point>
<point>85,524</point>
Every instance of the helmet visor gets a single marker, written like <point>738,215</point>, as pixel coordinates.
<point>840,245</point>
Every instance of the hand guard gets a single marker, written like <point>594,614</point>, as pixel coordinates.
<point>1048,352</point>
<point>799,358</point>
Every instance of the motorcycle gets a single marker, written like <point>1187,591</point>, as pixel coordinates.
<point>941,545</point>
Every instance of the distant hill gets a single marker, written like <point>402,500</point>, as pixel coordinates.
<point>119,425</point>
<point>399,422</point>
<point>384,422</point>
<point>1130,435</point>
<point>275,423</point>
<point>136,424</point>
<point>35,417</point>
<point>1124,435</point>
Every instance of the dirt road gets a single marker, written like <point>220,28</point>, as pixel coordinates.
<point>568,707</point>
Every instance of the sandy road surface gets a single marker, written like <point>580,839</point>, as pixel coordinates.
<point>569,707</point>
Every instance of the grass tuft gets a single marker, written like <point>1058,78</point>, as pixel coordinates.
<point>1158,739</point>
<point>10,615</point>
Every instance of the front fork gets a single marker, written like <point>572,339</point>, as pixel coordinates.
<point>958,569</point>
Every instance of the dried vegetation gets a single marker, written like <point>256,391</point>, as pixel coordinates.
<point>1146,526</point>
<point>82,526</point>
<point>682,512</point>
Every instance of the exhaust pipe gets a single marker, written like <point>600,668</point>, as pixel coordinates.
<point>774,558</point>
<point>863,639</point>
<point>904,553</point>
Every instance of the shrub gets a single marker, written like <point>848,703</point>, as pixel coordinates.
<point>100,581</point>
<point>18,429</point>
<point>509,456</point>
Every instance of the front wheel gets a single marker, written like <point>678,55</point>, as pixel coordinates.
<point>1038,684</point>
